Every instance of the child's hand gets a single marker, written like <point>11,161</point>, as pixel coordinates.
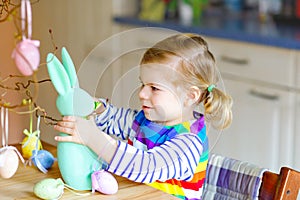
<point>84,131</point>
<point>68,126</point>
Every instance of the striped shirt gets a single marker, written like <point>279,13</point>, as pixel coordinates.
<point>170,158</point>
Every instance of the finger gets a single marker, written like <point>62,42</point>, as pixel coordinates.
<point>68,139</point>
<point>64,138</point>
<point>69,118</point>
<point>64,129</point>
<point>66,124</point>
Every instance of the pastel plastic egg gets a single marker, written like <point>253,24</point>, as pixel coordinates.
<point>29,144</point>
<point>27,56</point>
<point>9,162</point>
<point>104,182</point>
<point>49,188</point>
<point>45,158</point>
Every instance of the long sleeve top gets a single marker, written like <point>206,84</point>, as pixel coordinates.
<point>170,158</point>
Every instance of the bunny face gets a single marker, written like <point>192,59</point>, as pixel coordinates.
<point>71,99</point>
<point>79,103</point>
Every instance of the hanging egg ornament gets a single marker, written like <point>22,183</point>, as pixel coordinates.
<point>49,188</point>
<point>43,158</point>
<point>9,162</point>
<point>27,56</point>
<point>104,182</point>
<point>29,143</point>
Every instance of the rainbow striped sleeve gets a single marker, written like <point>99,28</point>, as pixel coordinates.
<point>177,158</point>
<point>115,121</point>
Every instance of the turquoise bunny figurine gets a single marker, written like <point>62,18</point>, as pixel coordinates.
<point>75,161</point>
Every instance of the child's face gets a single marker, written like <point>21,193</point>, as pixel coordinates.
<point>162,101</point>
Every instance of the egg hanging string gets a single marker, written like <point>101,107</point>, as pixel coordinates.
<point>4,125</point>
<point>42,159</point>
<point>26,53</point>
<point>26,9</point>
<point>37,162</point>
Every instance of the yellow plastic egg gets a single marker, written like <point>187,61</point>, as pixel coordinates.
<point>29,144</point>
<point>9,163</point>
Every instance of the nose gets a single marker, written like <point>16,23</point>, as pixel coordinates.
<point>144,92</point>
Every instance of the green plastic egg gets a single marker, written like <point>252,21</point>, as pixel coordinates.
<point>49,188</point>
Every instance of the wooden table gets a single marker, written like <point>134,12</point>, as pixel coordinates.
<point>20,186</point>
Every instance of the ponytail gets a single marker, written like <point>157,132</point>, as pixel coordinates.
<point>217,107</point>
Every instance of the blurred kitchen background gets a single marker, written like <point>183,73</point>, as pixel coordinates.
<point>256,44</point>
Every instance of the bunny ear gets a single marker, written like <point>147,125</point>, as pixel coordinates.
<point>58,75</point>
<point>69,67</point>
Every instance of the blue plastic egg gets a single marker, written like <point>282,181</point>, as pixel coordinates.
<point>43,157</point>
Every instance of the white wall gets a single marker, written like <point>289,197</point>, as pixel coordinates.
<point>79,26</point>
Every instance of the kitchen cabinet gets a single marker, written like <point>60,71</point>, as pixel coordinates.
<point>297,119</point>
<point>260,79</point>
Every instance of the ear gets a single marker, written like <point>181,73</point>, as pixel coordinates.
<point>58,74</point>
<point>69,67</point>
<point>193,95</point>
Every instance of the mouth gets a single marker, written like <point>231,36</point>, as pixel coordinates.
<point>146,107</point>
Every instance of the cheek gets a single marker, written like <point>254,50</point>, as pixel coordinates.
<point>176,99</point>
<point>167,100</point>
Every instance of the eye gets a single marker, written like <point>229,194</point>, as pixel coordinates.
<point>153,88</point>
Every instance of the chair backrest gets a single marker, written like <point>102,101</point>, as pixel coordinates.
<point>282,186</point>
<point>230,179</point>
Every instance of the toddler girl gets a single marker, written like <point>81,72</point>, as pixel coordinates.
<point>166,143</point>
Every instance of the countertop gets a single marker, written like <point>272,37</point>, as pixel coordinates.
<point>20,186</point>
<point>241,27</point>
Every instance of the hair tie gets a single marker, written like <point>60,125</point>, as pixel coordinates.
<point>210,87</point>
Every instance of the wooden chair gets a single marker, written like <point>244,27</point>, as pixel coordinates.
<point>228,178</point>
<point>282,186</point>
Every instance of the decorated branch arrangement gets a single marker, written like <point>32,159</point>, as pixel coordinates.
<point>80,168</point>
<point>26,56</point>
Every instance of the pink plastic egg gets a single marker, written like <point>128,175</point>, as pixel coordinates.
<point>9,162</point>
<point>104,182</point>
<point>27,56</point>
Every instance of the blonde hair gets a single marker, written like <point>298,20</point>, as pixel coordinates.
<point>197,67</point>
